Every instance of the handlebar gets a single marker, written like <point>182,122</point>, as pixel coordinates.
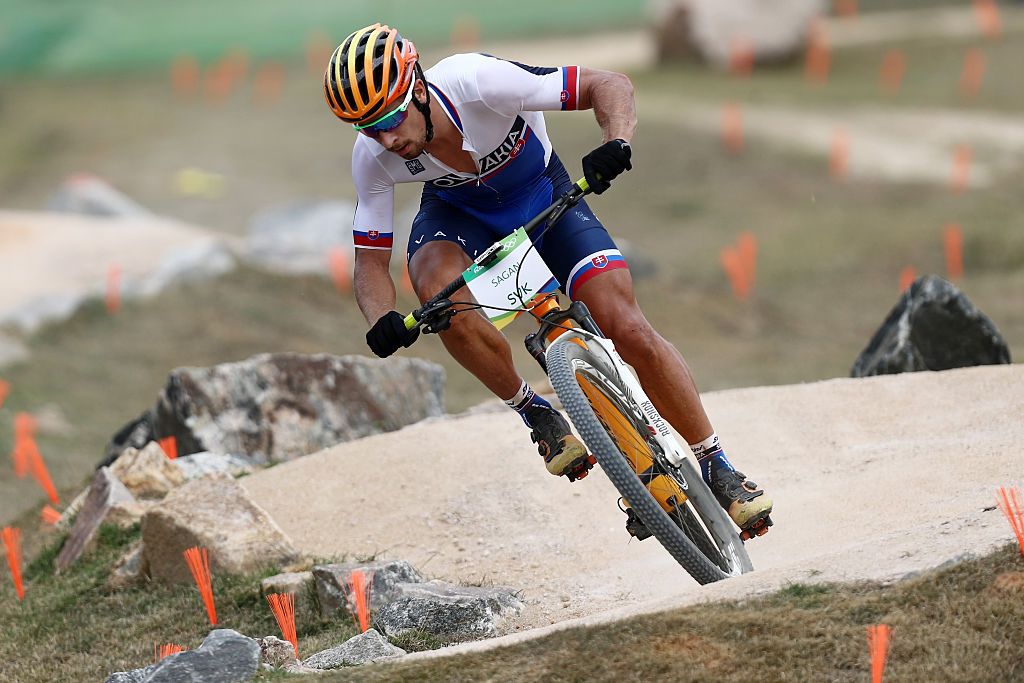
<point>440,302</point>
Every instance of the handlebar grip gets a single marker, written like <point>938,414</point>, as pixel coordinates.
<point>583,185</point>
<point>410,321</point>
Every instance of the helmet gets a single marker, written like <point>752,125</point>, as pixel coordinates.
<point>371,70</point>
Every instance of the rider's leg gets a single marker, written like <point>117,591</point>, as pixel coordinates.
<point>480,348</point>
<point>667,381</point>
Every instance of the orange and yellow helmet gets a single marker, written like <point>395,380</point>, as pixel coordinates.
<point>371,70</point>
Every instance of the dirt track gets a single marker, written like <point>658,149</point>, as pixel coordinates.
<point>872,478</point>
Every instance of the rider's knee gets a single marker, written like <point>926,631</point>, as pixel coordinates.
<point>632,333</point>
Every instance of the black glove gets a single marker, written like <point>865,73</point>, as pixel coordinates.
<point>388,333</point>
<point>605,163</point>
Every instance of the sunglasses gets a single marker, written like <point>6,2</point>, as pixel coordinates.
<point>393,119</point>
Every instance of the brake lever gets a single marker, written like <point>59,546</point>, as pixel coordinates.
<point>436,317</point>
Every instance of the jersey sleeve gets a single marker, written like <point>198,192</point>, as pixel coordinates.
<point>509,87</point>
<point>372,226</point>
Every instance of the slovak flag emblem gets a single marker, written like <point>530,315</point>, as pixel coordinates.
<point>373,234</point>
<point>564,96</point>
<point>599,261</point>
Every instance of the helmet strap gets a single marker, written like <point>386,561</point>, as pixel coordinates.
<point>424,107</point>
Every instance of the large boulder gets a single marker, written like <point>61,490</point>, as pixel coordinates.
<point>297,237</point>
<point>216,513</point>
<point>364,648</point>
<point>275,407</point>
<point>93,196</point>
<point>934,326</point>
<point>711,30</point>
<point>107,501</point>
<point>384,575</point>
<point>226,656</point>
<point>448,612</point>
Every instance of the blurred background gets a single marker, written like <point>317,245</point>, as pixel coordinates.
<point>174,191</point>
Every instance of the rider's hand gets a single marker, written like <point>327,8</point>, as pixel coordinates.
<point>388,333</point>
<point>601,166</point>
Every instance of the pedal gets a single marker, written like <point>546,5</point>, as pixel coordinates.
<point>581,467</point>
<point>635,527</point>
<point>758,528</point>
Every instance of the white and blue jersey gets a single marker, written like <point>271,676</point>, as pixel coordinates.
<point>497,106</point>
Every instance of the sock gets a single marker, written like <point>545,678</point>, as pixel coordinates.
<point>707,451</point>
<point>525,399</point>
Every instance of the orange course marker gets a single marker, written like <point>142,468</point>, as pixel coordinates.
<point>318,53</point>
<point>269,83</point>
<point>839,158</point>
<point>819,58</point>
<point>37,467</point>
<point>1010,505</point>
<point>894,66</point>
<point>907,277</point>
<point>166,650</point>
<point>5,388</point>
<point>845,8</point>
<point>961,174</point>
<point>357,594</point>
<point>465,35</point>
<point>878,645</point>
<point>973,73</point>
<point>113,288</point>
<point>407,281</point>
<point>283,607</point>
<point>198,560</point>
<point>741,57</point>
<point>337,261</point>
<point>169,445</point>
<point>732,128</point>
<point>953,241</point>
<point>24,429</point>
<point>12,541</point>
<point>185,76</point>
<point>732,263</point>
<point>986,12</point>
<point>50,516</point>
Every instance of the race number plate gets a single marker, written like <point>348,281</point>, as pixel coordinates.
<point>512,281</point>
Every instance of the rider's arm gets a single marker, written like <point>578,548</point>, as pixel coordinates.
<point>610,95</point>
<point>372,233</point>
<point>374,288</point>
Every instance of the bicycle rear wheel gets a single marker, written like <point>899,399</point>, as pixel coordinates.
<point>688,521</point>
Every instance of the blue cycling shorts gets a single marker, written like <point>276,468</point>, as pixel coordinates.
<point>576,249</point>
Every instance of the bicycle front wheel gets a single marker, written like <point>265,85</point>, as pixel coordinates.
<point>684,517</point>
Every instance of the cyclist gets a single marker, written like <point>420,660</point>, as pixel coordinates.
<point>471,129</point>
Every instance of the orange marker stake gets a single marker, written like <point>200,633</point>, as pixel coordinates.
<point>283,607</point>
<point>732,263</point>
<point>338,263</point>
<point>747,247</point>
<point>184,76</point>
<point>50,516</point>
<point>839,158</point>
<point>161,651</point>
<point>24,429</point>
<point>169,445</point>
<point>12,541</point>
<point>845,8</point>
<point>961,173</point>
<point>1009,503</point>
<point>38,469</point>
<point>407,281</point>
<point>894,66</point>
<point>318,53</point>
<point>819,57</point>
<point>732,128</point>
<point>198,560</point>
<point>953,241</point>
<point>5,388</point>
<point>878,645</point>
<point>973,73</point>
<point>357,595</point>
<point>741,57</point>
<point>986,12</point>
<point>113,289</point>
<point>269,83</point>
<point>907,277</point>
<point>465,36</point>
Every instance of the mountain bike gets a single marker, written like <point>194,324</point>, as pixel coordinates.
<point>662,493</point>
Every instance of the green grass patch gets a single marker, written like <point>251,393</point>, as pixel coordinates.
<point>962,624</point>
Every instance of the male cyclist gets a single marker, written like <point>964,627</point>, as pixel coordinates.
<point>471,130</point>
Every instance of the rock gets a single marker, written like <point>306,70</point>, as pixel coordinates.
<point>297,237</point>
<point>87,194</point>
<point>130,569</point>
<point>710,30</point>
<point>448,612</point>
<point>198,464</point>
<point>216,513</point>
<point>106,494</point>
<point>225,656</point>
<point>133,676</point>
<point>276,407</point>
<point>12,351</point>
<point>296,583</point>
<point>386,575</point>
<point>934,326</point>
<point>148,473</point>
<point>279,654</point>
<point>362,649</point>
<point>194,262</point>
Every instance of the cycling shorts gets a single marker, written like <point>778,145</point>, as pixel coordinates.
<point>575,249</point>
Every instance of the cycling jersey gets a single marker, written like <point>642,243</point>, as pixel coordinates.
<point>496,104</point>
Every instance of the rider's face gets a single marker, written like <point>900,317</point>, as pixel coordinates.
<point>409,139</point>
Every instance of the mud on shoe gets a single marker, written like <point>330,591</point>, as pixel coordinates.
<point>563,453</point>
<point>747,505</point>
